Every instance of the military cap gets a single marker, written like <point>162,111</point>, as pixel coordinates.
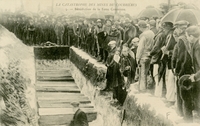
<point>142,24</point>
<point>75,104</point>
<point>167,25</point>
<point>181,23</point>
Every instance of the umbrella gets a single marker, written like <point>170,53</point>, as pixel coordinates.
<point>191,6</point>
<point>150,12</point>
<point>97,15</point>
<point>190,15</point>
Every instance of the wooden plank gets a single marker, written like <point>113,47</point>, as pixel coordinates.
<point>43,104</point>
<point>55,71</point>
<point>62,119</point>
<point>57,89</point>
<point>62,111</point>
<point>55,82</point>
<point>53,74</point>
<point>79,98</point>
<point>54,125</point>
<point>57,94</point>
<point>56,85</point>
<point>64,78</point>
<point>66,100</point>
<point>55,77</point>
<point>81,101</point>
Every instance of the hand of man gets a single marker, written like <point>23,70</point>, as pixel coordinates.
<point>163,49</point>
<point>192,78</point>
<point>127,68</point>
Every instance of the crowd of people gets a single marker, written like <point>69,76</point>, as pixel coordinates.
<point>132,49</point>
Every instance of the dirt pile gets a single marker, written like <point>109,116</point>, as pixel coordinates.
<point>17,75</point>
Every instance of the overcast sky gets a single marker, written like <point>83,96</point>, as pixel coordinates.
<point>32,5</point>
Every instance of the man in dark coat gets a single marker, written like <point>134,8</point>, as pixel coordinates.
<point>99,36</point>
<point>128,65</point>
<point>165,65</point>
<point>113,75</point>
<point>89,38</point>
<point>193,36</point>
<point>181,61</point>
<point>59,30</point>
<point>83,34</point>
<point>80,118</point>
<point>113,67</point>
<point>130,32</point>
<point>156,54</point>
<point>113,35</point>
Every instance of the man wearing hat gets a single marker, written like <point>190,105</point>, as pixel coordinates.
<point>152,24</point>
<point>165,60</point>
<point>59,30</point>
<point>130,32</point>
<point>181,62</point>
<point>156,54</point>
<point>193,36</point>
<point>111,66</point>
<point>98,35</point>
<point>144,47</point>
<point>80,118</point>
<point>114,79</point>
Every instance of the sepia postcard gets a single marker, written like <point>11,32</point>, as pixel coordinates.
<point>99,62</point>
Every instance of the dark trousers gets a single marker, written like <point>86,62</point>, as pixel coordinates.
<point>185,102</point>
<point>120,94</point>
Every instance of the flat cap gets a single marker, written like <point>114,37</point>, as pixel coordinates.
<point>152,23</point>
<point>142,24</point>
<point>181,23</point>
<point>112,42</point>
<point>75,104</point>
<point>135,39</point>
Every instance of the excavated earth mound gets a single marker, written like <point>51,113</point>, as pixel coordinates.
<point>17,74</point>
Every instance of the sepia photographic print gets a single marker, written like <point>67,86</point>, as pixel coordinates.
<point>99,62</point>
